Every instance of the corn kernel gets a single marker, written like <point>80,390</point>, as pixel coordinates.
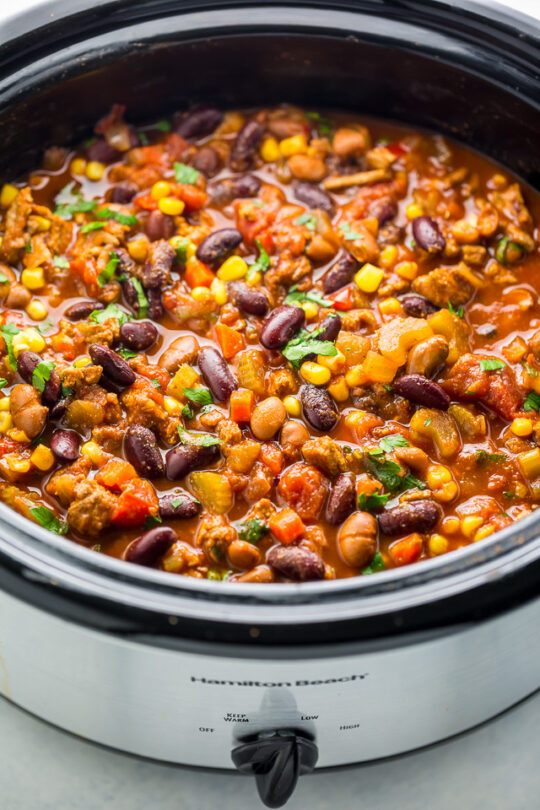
<point>95,170</point>
<point>218,289</point>
<point>4,404</point>
<point>171,206</point>
<point>470,524</point>
<point>414,210</point>
<point>407,270</point>
<point>185,377</point>
<point>520,490</point>
<point>530,463</point>
<point>311,309</point>
<point>484,532</point>
<point>438,475</point>
<point>18,435</point>
<point>8,194</point>
<point>191,250</point>
<point>339,390</point>
<point>450,525</point>
<point>388,256</point>
<point>160,189</point>
<point>138,248</point>
<point>334,364</point>
<point>270,150</point>
<point>5,421</point>
<point>232,269</point>
<point>42,458</point>
<point>41,223</point>
<point>446,493</point>
<point>521,427</point>
<point>292,405</point>
<point>201,294</point>
<point>33,278</point>
<point>254,279</point>
<point>172,406</point>
<point>355,376</point>
<point>437,544</point>
<point>368,278</point>
<point>294,145</point>
<point>27,339</point>
<point>390,306</point>
<point>37,310</point>
<point>378,368</point>
<point>77,166</point>
<point>18,465</point>
<point>315,373</point>
<point>93,451</point>
<point>83,361</point>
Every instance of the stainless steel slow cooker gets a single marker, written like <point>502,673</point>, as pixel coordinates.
<point>274,680</point>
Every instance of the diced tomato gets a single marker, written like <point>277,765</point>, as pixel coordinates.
<point>86,270</point>
<point>142,155</point>
<point>242,405</point>
<point>230,340</point>
<point>286,525</point>
<point>254,222</point>
<point>397,148</point>
<point>136,502</point>
<point>10,446</point>
<point>192,196</point>
<point>14,317</point>
<point>342,299</point>
<point>115,473</point>
<point>143,384</point>
<point>152,372</point>
<point>406,551</point>
<point>64,345</point>
<point>146,201</point>
<point>272,456</point>
<point>198,274</point>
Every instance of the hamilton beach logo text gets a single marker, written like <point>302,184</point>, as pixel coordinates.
<point>346,679</point>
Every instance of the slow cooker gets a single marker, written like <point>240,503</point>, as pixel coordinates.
<point>273,680</point>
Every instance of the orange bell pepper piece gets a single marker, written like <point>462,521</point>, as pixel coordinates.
<point>198,274</point>
<point>136,502</point>
<point>272,456</point>
<point>241,405</point>
<point>115,473</point>
<point>406,551</point>
<point>146,201</point>
<point>287,526</point>
<point>230,340</point>
<point>192,196</point>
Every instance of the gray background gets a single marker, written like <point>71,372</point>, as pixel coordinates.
<point>495,767</point>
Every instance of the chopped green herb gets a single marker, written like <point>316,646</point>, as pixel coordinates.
<point>185,174</point>
<point>155,382</point>
<point>458,312</point>
<point>308,220</point>
<point>28,247</point>
<point>9,330</point>
<point>200,396</point>
<point>92,226</point>
<point>96,547</point>
<point>69,202</point>
<point>532,372</point>
<point>296,296</point>
<point>181,245</point>
<point>152,520</point>
<point>213,573</point>
<point>324,125</point>
<point>427,422</point>
<point>532,401</point>
<point>176,503</point>
<point>377,564</point>
<point>200,439</point>
<point>3,278</point>
<point>483,458</point>
<point>67,391</point>
<point>123,219</point>
<point>389,443</point>
<point>143,137</point>
<point>373,502</point>
<point>142,300</point>
<point>109,270</point>
<point>508,494</point>
<point>60,261</point>
<point>387,472</point>
<point>48,520</point>
<point>348,232</point>
<point>3,382</point>
<point>42,374</point>
<point>306,343</point>
<point>410,482</point>
<point>262,264</point>
<point>110,311</point>
<point>505,245</point>
<point>187,411</point>
<point>127,354</point>
<point>491,364</point>
<point>252,530</point>
<point>45,325</point>
<point>163,126</point>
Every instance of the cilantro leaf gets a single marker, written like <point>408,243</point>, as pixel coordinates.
<point>532,401</point>
<point>181,244</point>
<point>200,439</point>
<point>389,443</point>
<point>110,311</point>
<point>60,261</point>
<point>126,353</point>
<point>69,202</point>
<point>152,520</point>
<point>262,264</point>
<point>42,374</point>
<point>123,219</point>
<point>142,300</point>
<point>3,278</point>
<point>491,364</point>
<point>308,220</point>
<point>200,396</point>
<point>458,312</point>
<point>155,382</point>
<point>252,530</point>
<point>185,174</point>
<point>532,372</point>
<point>324,125</point>
<point>3,382</point>
<point>348,233</point>
<point>143,137</point>
<point>92,226</point>
<point>504,246</point>
<point>48,520</point>
<point>483,458</point>
<point>373,502</point>
<point>109,270</point>
<point>163,126</point>
<point>410,482</point>
<point>306,343</point>
<point>376,564</point>
<point>296,296</point>
<point>387,472</point>
<point>9,330</point>
<point>187,411</point>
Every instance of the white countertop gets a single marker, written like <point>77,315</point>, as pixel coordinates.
<point>494,767</point>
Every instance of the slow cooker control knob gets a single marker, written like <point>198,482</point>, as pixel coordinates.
<point>276,759</point>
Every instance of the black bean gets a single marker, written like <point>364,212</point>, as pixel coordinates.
<point>342,499</point>
<point>427,234</point>
<point>217,245</point>
<point>198,121</point>
<point>158,226</point>
<point>141,450</point>
<point>82,309</point>
<point>319,408</point>
<point>138,335</point>
<point>114,366</point>
<point>418,389</point>
<point>150,546</point>
<point>417,306</point>
<point>216,373</point>
<point>123,192</point>
<point>178,505</point>
<point>314,197</point>
<point>281,325</point>
<point>102,152</point>
<point>186,457</point>
<point>245,145</point>
<point>295,562</point>
<point>331,327</point>
<point>340,274</point>
<point>207,161</point>
<point>65,445</point>
<point>415,516</point>
<point>250,300</point>
<point>155,304</point>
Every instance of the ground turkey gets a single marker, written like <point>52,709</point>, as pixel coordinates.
<point>92,510</point>
<point>303,488</point>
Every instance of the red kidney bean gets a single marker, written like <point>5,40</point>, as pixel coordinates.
<point>245,145</point>
<point>331,327</point>
<point>319,408</point>
<point>314,197</point>
<point>178,505</point>
<point>58,410</point>
<point>138,335</point>
<point>123,192</point>
<point>342,500</point>
<point>65,445</point>
<point>157,267</point>
<point>217,245</point>
<point>281,325</point>
<point>158,226</point>
<point>155,304</point>
<point>427,234</point>
<point>102,152</point>
<point>199,121</point>
<point>53,387</point>
<point>141,450</point>
<point>250,300</point>
<point>418,389</point>
<point>150,546</point>
<point>295,562</point>
<point>384,210</point>
<point>186,457</point>
<point>417,306</point>
<point>114,366</point>
<point>26,365</point>
<point>216,373</point>
<point>82,309</point>
<point>415,516</point>
<point>207,161</point>
<point>340,274</point>
<point>130,294</point>
<point>230,188</point>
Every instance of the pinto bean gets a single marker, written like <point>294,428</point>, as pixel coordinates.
<point>216,373</point>
<point>250,301</point>
<point>296,563</point>
<point>82,309</point>
<point>207,161</point>
<point>348,143</point>
<point>27,412</point>
<point>415,516</point>
<point>138,335</point>
<point>267,418</point>
<point>342,500</point>
<point>421,391</point>
<point>417,306</point>
<point>65,445</point>
<point>141,449</point>
<point>150,546</point>
<point>340,274</point>
<point>245,145</point>
<point>114,366</point>
<point>294,433</point>
<point>218,245</point>
<point>187,457</point>
<point>427,234</point>
<point>319,408</point>
<point>199,121</point>
<point>262,573</point>
<point>158,226</point>
<point>281,325</point>
<point>314,197</point>
<point>182,350</point>
<point>357,539</point>
<point>18,296</point>
<point>179,505</point>
<point>242,554</point>
<point>428,356</point>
